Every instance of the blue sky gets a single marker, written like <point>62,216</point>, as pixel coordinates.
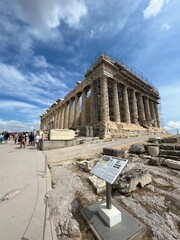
<point>47,46</point>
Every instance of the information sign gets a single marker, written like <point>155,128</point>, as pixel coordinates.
<point>110,170</point>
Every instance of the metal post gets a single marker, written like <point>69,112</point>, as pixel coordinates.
<point>108,195</point>
<point>45,166</point>
<point>45,216</point>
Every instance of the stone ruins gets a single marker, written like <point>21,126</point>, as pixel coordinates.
<point>112,101</point>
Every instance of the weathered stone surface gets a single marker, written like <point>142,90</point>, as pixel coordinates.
<point>153,151</point>
<point>167,147</point>
<point>137,148</point>
<point>99,185</point>
<point>113,152</point>
<point>155,161</point>
<point>170,140</point>
<point>155,140</point>
<point>169,152</point>
<point>149,144</point>
<point>170,156</point>
<point>177,147</point>
<point>61,134</point>
<point>172,164</point>
<point>130,180</point>
<point>87,165</point>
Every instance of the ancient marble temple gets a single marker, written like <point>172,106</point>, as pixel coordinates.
<point>112,101</point>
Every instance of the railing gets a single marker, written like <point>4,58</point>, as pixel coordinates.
<point>131,69</point>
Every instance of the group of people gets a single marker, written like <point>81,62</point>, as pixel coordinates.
<point>22,138</point>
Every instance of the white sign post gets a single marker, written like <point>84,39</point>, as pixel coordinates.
<point>109,172</point>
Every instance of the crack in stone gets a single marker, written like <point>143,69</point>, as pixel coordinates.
<point>11,194</point>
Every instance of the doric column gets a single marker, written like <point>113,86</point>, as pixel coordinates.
<point>147,111</point>
<point>92,104</point>
<point>126,105</point>
<point>77,110</point>
<point>55,118</point>
<point>83,112</point>
<point>134,108</point>
<point>157,114</point>
<point>142,119</point>
<point>58,117</point>
<point>104,99</point>
<point>66,115</point>
<point>62,117</point>
<point>153,114</point>
<point>71,112</point>
<point>116,110</point>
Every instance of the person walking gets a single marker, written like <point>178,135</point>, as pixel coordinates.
<point>6,136</point>
<point>23,140</point>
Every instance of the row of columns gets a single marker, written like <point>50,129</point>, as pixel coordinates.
<point>144,110</point>
<point>70,114</point>
<point>139,110</point>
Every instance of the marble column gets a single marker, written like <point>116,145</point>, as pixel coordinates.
<point>153,114</point>
<point>77,110</point>
<point>116,109</point>
<point>66,115</point>
<point>58,117</point>
<point>142,118</point>
<point>71,112</point>
<point>62,117</point>
<point>83,112</point>
<point>134,108</point>
<point>126,105</point>
<point>157,114</point>
<point>104,99</point>
<point>147,112</point>
<point>92,104</point>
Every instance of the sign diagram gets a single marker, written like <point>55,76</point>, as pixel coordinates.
<point>110,170</point>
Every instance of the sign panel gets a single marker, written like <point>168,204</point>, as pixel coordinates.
<point>110,170</point>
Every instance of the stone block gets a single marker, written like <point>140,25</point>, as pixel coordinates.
<point>167,147</point>
<point>153,151</point>
<point>170,152</point>
<point>172,164</point>
<point>131,179</point>
<point>61,134</point>
<point>137,148</point>
<point>177,158</point>
<point>98,184</point>
<point>177,147</point>
<point>87,165</point>
<point>113,152</point>
<point>110,216</point>
<point>170,140</point>
<point>155,161</point>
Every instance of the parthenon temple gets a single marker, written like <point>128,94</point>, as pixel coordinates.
<point>112,101</point>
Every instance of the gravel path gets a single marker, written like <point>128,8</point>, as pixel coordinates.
<point>156,205</point>
<point>89,149</point>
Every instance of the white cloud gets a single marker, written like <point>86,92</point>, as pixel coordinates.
<point>40,61</point>
<point>48,14</point>
<point>172,125</point>
<point>9,105</point>
<point>165,27</point>
<point>154,8</point>
<point>41,88</point>
<point>18,126</point>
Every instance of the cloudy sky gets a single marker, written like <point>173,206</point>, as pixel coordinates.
<point>47,46</point>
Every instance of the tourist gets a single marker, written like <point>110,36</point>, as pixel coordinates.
<point>31,138</point>
<point>23,140</point>
<point>6,137</point>
<point>1,138</point>
<point>37,138</point>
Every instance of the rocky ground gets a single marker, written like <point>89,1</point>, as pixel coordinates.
<point>157,204</point>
